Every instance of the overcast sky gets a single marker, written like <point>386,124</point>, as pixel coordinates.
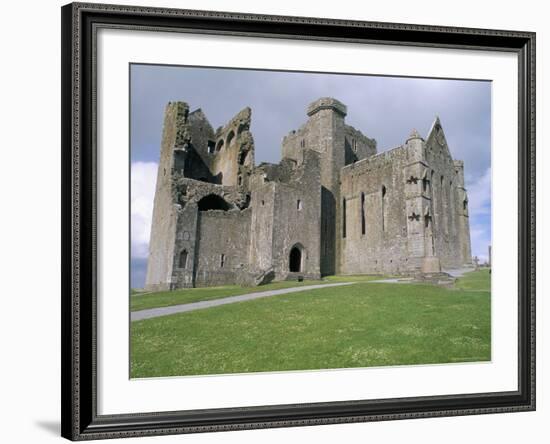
<point>383,108</point>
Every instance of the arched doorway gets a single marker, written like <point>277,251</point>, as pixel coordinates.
<point>295,260</point>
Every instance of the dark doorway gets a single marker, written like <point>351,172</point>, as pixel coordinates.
<point>295,260</point>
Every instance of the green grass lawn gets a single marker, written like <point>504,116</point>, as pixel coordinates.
<point>361,325</point>
<point>477,280</point>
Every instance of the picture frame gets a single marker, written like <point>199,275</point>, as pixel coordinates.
<point>80,211</point>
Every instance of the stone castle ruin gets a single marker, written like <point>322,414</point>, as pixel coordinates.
<point>332,205</point>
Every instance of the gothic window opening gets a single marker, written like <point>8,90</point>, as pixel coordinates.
<point>427,220</point>
<point>230,138</point>
<point>344,218</point>
<point>183,259</point>
<point>445,206</point>
<point>298,204</point>
<point>434,203</point>
<point>363,224</point>
<point>219,146</point>
<point>211,147</point>
<point>425,183</point>
<point>242,157</point>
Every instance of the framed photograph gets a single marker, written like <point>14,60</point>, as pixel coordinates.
<point>275,221</point>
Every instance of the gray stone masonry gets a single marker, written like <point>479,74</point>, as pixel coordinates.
<point>332,205</point>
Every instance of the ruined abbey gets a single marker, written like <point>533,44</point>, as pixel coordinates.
<point>332,205</point>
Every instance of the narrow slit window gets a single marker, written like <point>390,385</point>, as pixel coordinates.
<point>222,260</point>
<point>383,208</point>
<point>344,218</point>
<point>363,225</point>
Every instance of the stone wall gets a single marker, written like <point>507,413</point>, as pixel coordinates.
<point>330,206</point>
<point>296,204</point>
<point>163,226</point>
<point>446,180</point>
<point>234,151</point>
<point>221,243</point>
<point>374,239</point>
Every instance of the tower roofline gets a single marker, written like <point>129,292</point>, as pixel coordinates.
<point>327,103</point>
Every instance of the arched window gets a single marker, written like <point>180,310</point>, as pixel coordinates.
<point>219,146</point>
<point>242,157</point>
<point>213,202</point>
<point>425,182</point>
<point>183,259</point>
<point>298,204</point>
<point>363,225</point>
<point>433,196</point>
<point>211,146</point>
<point>230,138</point>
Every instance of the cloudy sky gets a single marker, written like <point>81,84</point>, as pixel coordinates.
<point>384,108</point>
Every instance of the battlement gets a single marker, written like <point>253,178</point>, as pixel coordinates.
<point>327,103</point>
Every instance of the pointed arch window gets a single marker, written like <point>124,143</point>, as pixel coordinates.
<point>183,259</point>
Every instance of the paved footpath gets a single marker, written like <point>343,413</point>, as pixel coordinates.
<point>163,311</point>
<point>456,273</point>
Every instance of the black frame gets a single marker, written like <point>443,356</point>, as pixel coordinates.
<point>78,332</point>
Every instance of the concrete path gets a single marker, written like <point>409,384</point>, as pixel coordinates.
<point>163,311</point>
<point>456,273</point>
<point>392,281</point>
